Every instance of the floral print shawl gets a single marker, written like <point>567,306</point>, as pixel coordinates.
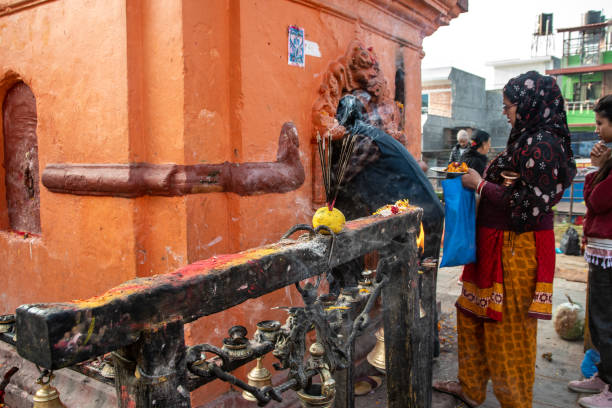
<point>538,149</point>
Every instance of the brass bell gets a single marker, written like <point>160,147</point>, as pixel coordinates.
<point>376,357</point>
<point>47,396</point>
<point>258,377</point>
<point>320,395</point>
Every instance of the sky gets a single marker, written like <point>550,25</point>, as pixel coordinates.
<point>494,30</point>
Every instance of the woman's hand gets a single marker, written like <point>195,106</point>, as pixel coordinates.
<point>471,179</point>
<point>599,154</point>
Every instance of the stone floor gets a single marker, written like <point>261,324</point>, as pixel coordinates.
<point>550,389</point>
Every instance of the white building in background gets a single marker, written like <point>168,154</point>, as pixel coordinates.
<point>506,69</point>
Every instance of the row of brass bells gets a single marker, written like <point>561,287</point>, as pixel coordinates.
<point>47,396</point>
<point>258,377</point>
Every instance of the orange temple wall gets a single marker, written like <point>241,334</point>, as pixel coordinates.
<point>183,82</point>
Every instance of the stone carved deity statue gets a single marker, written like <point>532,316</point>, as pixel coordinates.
<point>358,73</point>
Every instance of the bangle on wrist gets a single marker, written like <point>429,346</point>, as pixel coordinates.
<point>481,186</point>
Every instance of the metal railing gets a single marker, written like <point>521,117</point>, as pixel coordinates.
<point>580,106</point>
<point>141,321</point>
<point>572,197</point>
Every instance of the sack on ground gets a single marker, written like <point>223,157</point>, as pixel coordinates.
<point>460,224</point>
<point>570,242</point>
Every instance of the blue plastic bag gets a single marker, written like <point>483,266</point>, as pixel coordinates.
<point>460,224</point>
<point>588,366</point>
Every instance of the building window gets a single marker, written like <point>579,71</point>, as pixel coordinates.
<point>586,89</point>
<point>424,103</point>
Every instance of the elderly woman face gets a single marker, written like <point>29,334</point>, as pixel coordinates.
<point>463,139</point>
<point>509,110</point>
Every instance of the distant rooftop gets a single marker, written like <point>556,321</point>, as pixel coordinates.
<point>440,74</point>
<point>435,74</point>
<point>587,27</point>
<point>520,61</point>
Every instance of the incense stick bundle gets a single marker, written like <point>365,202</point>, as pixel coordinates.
<point>332,184</point>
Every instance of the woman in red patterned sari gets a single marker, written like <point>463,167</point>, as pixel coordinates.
<point>510,285</point>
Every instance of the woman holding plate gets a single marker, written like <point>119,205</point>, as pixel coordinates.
<point>476,156</point>
<point>509,286</point>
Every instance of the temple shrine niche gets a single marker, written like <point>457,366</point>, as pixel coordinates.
<point>357,72</point>
<point>21,159</point>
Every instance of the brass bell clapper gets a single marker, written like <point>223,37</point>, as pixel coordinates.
<point>47,396</point>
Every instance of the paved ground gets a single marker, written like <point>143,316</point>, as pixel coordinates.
<point>550,389</point>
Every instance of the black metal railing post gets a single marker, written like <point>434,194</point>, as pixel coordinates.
<point>408,328</point>
<point>152,372</point>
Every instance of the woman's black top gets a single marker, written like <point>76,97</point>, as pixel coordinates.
<point>475,160</point>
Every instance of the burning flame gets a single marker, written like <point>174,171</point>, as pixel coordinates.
<point>421,239</point>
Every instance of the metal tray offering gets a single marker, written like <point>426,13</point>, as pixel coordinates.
<point>444,171</point>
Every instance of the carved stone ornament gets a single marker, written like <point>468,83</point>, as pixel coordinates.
<point>357,72</point>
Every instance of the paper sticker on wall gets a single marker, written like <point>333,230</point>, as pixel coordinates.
<point>296,46</point>
<point>311,48</point>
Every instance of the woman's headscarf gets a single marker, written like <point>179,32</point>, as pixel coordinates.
<point>538,148</point>
<point>540,106</point>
